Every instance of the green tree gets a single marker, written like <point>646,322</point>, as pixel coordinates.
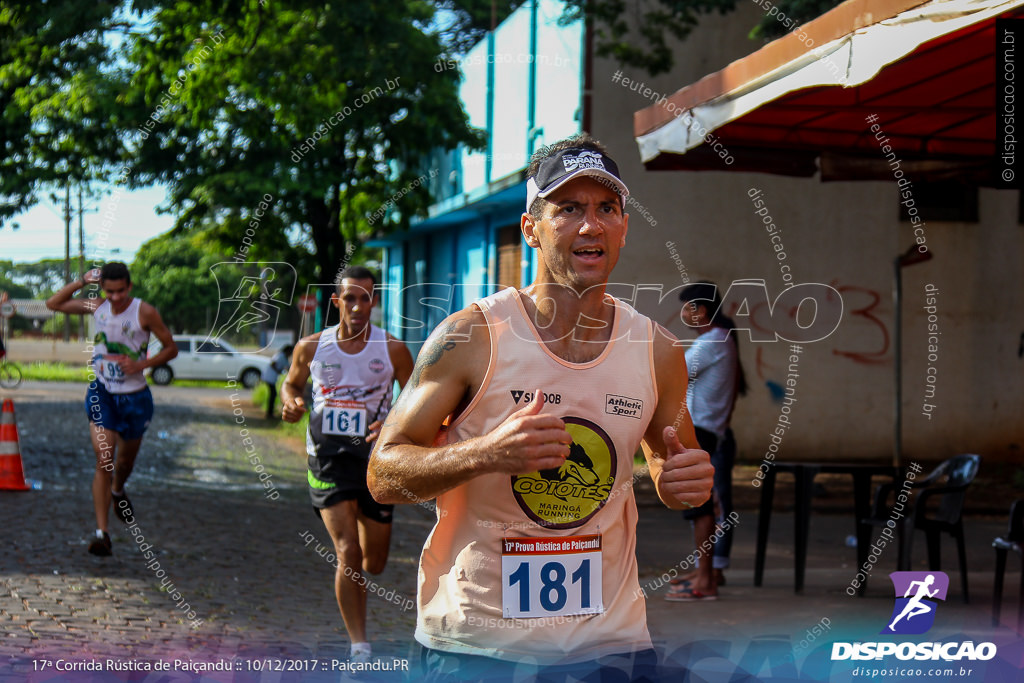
<point>42,278</point>
<point>188,276</point>
<point>57,109</point>
<point>13,289</point>
<point>322,111</point>
<point>464,23</point>
<point>174,274</point>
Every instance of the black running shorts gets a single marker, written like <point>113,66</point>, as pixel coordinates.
<point>334,478</point>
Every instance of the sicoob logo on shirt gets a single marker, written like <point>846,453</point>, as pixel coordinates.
<point>567,497</point>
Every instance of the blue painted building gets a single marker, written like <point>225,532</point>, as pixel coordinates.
<point>523,85</point>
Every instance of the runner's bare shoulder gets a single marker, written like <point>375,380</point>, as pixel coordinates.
<point>457,351</point>
<point>306,347</point>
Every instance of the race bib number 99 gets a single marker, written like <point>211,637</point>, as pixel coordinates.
<point>546,577</point>
<point>345,420</point>
<point>110,369</point>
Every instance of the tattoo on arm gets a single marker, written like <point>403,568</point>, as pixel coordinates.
<point>431,354</point>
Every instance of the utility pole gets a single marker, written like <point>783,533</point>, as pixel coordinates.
<point>81,260</point>
<point>67,254</point>
<point>81,254</point>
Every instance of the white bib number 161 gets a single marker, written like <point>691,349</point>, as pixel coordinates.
<point>551,577</point>
<point>345,421</point>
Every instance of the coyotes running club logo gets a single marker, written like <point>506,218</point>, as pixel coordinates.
<point>566,497</point>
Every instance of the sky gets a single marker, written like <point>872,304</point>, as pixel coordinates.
<point>133,220</point>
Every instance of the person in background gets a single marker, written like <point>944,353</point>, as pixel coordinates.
<point>278,364</point>
<point>354,366</point>
<point>716,379</point>
<point>118,401</point>
<point>3,351</point>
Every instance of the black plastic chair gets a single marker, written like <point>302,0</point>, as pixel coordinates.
<point>936,509</point>
<point>1013,541</point>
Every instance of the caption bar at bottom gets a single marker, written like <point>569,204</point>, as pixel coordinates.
<point>235,664</point>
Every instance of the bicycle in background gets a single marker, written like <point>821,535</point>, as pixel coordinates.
<point>10,374</point>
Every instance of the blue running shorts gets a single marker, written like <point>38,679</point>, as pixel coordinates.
<point>126,414</point>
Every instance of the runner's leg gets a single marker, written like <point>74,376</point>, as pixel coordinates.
<point>125,463</point>
<point>341,522</point>
<point>103,442</point>
<point>375,540</point>
<point>919,609</point>
<point>271,399</point>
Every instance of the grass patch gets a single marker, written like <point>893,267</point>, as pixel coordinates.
<point>296,429</point>
<point>65,372</point>
<point>260,395</point>
<point>210,383</point>
<point>55,372</point>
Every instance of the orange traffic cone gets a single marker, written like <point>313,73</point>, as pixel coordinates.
<point>12,477</point>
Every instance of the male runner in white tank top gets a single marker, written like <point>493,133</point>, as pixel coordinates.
<point>531,568</point>
<point>354,366</point>
<point>118,401</point>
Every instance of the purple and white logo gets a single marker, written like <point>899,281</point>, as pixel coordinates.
<point>916,593</point>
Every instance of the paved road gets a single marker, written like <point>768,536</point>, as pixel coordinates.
<point>248,566</point>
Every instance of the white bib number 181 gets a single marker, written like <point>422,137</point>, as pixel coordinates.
<point>543,577</point>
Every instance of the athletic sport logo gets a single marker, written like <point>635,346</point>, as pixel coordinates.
<point>916,592</point>
<point>623,405</point>
<point>584,159</point>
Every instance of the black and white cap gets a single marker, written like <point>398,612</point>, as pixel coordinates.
<point>573,163</point>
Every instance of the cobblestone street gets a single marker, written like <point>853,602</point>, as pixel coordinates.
<point>245,564</point>
<point>256,571</point>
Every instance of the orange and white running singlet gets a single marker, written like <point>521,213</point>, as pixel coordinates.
<point>542,566</point>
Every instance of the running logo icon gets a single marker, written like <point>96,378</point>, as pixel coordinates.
<point>916,592</point>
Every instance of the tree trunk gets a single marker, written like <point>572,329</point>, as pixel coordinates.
<point>323,220</point>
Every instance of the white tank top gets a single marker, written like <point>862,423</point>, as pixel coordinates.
<point>350,392</point>
<point>542,566</point>
<point>118,335</point>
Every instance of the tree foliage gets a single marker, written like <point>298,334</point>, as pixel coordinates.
<point>14,289</point>
<point>30,281</point>
<point>58,118</point>
<point>321,111</point>
<point>41,278</point>
<point>464,23</point>
<point>188,276</point>
<point>175,274</point>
